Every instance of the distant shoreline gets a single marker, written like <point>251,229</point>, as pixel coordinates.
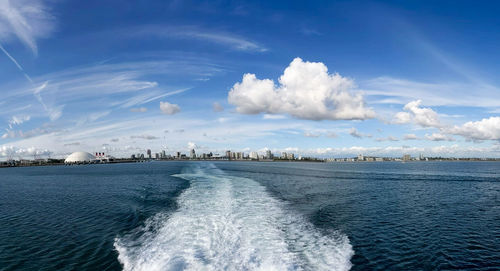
<point>40,164</point>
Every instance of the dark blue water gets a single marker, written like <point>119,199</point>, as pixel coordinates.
<point>245,216</point>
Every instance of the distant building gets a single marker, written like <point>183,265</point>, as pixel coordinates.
<point>163,154</point>
<point>80,158</point>
<point>254,155</point>
<point>228,154</point>
<point>406,157</point>
<point>192,154</point>
<point>284,155</point>
<point>269,155</point>
<point>361,157</point>
<point>149,153</point>
<point>178,155</point>
<point>157,156</point>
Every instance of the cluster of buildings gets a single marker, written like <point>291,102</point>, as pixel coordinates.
<point>228,155</point>
<point>362,158</point>
<point>268,155</point>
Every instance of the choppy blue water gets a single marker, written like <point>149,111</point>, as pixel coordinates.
<point>247,216</point>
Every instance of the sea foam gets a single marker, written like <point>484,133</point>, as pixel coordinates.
<point>230,223</point>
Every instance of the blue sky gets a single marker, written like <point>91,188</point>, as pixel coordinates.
<point>322,78</point>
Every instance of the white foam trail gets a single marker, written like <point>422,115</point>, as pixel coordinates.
<point>230,223</point>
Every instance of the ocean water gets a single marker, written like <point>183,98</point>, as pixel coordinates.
<point>251,216</point>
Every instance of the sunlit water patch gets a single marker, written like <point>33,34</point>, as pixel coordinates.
<point>230,223</point>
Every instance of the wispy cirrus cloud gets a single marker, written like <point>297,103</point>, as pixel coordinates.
<point>25,20</point>
<point>105,86</point>
<point>195,32</point>
<point>390,90</point>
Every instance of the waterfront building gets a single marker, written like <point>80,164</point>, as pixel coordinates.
<point>269,155</point>
<point>254,155</point>
<point>80,157</point>
<point>192,154</point>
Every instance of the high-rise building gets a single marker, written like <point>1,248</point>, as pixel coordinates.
<point>269,155</point>
<point>406,157</point>
<point>149,153</point>
<point>178,155</point>
<point>163,154</point>
<point>254,155</point>
<point>192,154</point>
<point>361,157</point>
<point>228,154</point>
<point>157,156</point>
<point>291,156</point>
<point>284,155</point>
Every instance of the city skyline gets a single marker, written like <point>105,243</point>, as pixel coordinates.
<point>324,80</point>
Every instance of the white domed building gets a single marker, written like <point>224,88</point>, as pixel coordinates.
<point>80,157</point>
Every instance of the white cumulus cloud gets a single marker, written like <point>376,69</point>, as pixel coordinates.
<point>192,146</point>
<point>138,109</point>
<point>389,138</point>
<point>410,137</point>
<point>311,134</point>
<point>439,137</point>
<point>217,107</point>
<point>147,137</point>
<point>485,129</point>
<point>169,109</point>
<point>306,91</point>
<point>414,113</point>
<point>355,133</point>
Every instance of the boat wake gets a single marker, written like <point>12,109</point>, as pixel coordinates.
<point>230,223</point>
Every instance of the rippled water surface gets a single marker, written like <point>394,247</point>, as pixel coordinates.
<point>248,216</point>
